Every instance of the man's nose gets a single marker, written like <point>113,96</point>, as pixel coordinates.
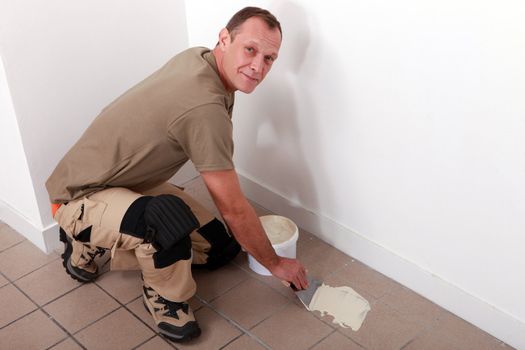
<point>257,63</point>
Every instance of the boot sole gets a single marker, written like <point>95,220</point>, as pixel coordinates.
<point>66,259</point>
<point>174,337</point>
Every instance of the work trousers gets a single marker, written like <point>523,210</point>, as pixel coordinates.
<point>102,213</point>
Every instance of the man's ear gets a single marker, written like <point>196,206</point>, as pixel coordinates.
<point>224,38</point>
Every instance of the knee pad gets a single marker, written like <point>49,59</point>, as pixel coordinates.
<point>179,251</point>
<point>168,220</point>
<point>224,247</point>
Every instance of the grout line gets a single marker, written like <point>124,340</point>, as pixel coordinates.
<point>231,341</point>
<point>144,342</point>
<point>45,313</point>
<point>14,245</point>
<point>125,306</point>
<point>323,338</point>
<point>241,328</point>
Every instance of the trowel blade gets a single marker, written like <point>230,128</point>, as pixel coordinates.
<point>307,294</point>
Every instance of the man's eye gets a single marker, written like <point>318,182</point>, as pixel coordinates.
<point>269,59</point>
<point>250,49</point>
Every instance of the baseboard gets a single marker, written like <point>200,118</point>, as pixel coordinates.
<point>44,238</point>
<point>447,295</point>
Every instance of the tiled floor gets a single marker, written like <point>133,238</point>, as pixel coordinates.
<point>42,308</point>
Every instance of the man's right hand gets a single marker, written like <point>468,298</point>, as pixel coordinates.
<point>290,270</point>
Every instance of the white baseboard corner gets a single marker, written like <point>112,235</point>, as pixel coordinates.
<point>46,239</point>
<point>445,294</point>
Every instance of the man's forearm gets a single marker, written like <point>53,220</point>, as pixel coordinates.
<point>247,229</point>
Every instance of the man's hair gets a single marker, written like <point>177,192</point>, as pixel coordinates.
<point>248,12</point>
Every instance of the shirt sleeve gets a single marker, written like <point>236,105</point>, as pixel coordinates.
<point>205,134</point>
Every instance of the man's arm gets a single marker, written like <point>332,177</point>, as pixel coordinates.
<point>246,227</point>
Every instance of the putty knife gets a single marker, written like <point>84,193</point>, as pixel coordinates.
<point>307,294</point>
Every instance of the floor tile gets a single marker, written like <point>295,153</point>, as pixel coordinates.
<point>464,335</point>
<point>22,259</point>
<point>47,283</point>
<point>430,341</point>
<point>8,237</point>
<point>367,282</point>
<point>3,281</point>
<point>118,330</point>
<point>249,303</point>
<point>122,285</point>
<point>81,307</point>
<point>244,342</point>
<point>67,344</point>
<point>156,343</point>
<point>137,307</point>
<point>242,262</point>
<point>336,341</point>
<point>13,304</point>
<point>211,284</point>
<point>34,331</point>
<point>291,328</point>
<point>216,331</point>
<point>412,305</point>
<point>322,260</point>
<point>384,328</point>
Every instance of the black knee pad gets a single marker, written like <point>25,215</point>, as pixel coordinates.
<point>179,251</point>
<point>224,247</point>
<point>168,220</point>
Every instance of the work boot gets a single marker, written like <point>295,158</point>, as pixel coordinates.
<point>78,258</point>
<point>174,320</point>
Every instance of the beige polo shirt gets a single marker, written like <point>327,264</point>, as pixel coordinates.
<point>180,112</point>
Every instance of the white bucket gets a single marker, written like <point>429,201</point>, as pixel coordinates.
<point>283,235</point>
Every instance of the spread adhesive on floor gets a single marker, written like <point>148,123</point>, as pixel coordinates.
<point>345,305</point>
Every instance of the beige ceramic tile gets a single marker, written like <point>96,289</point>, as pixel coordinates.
<point>47,283</point>
<point>369,283</point>
<point>244,342</point>
<point>249,303</point>
<point>211,284</point>
<point>291,328</point>
<point>384,328</point>
<point>322,259</point>
<point>336,341</point>
<point>34,331</point>
<point>464,335</point>
<point>68,344</point>
<point>430,341</point>
<point>3,281</point>
<point>118,330</point>
<point>216,331</point>
<point>412,305</point>
<point>242,262</point>
<point>9,237</point>
<point>122,285</point>
<point>22,259</point>
<point>156,343</point>
<point>81,307</point>
<point>137,307</point>
<point>13,304</point>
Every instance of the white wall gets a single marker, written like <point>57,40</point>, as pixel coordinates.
<point>64,61</point>
<point>399,124</point>
<point>14,166</point>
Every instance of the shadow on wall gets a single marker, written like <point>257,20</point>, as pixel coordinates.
<point>284,124</point>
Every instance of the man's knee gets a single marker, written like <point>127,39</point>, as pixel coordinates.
<point>223,246</point>
<point>166,222</point>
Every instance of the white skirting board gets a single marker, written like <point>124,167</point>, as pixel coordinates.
<point>451,297</point>
<point>45,238</point>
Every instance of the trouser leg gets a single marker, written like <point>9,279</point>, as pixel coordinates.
<point>212,245</point>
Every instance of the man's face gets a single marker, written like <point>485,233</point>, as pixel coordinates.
<point>248,58</point>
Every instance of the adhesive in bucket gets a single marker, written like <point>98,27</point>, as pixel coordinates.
<point>283,235</point>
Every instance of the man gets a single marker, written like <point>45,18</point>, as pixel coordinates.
<point>110,190</point>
